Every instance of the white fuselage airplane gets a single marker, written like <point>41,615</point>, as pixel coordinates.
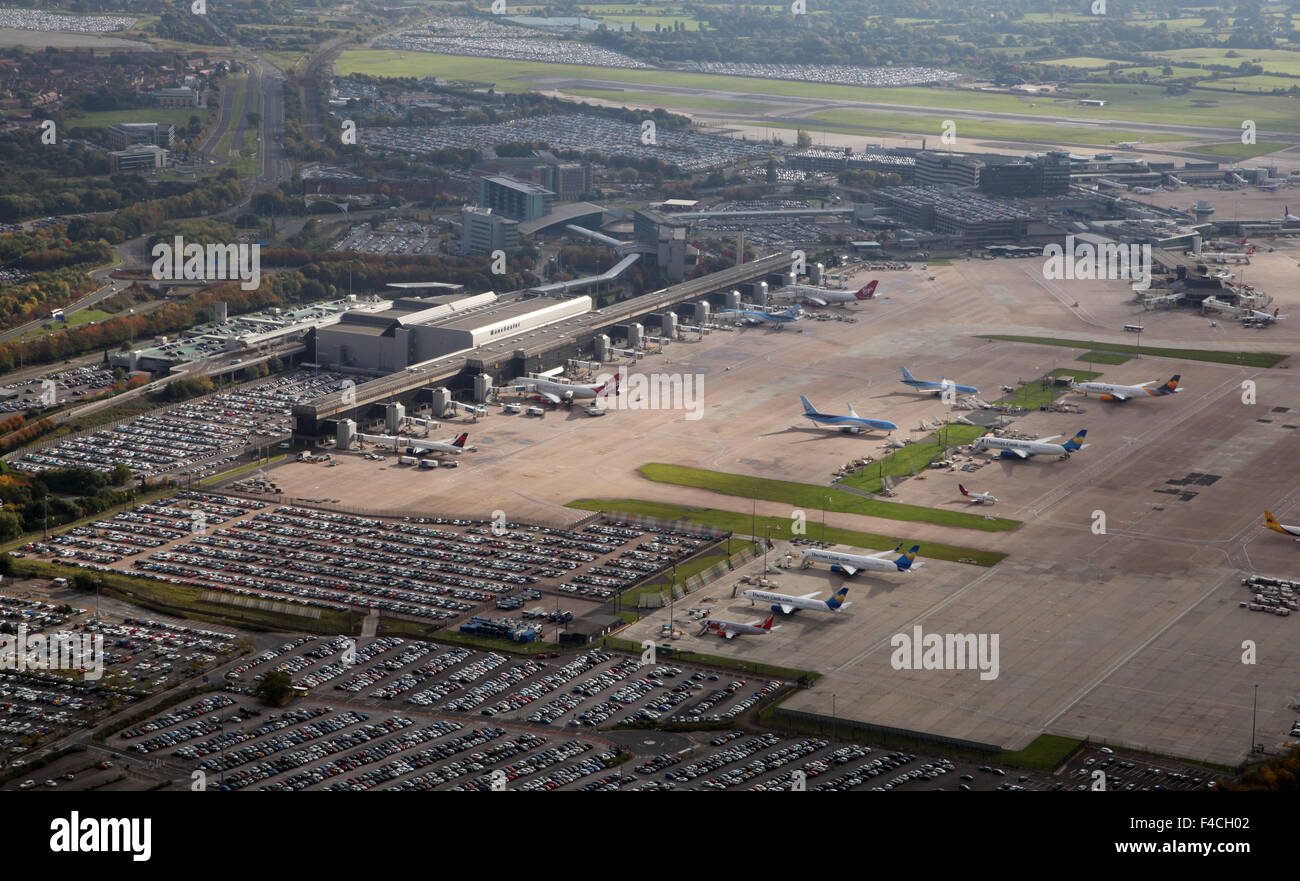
<point>1011,448</point>
<point>1271,522</point>
<point>1230,257</point>
<point>1129,145</point>
<point>730,629</point>
<point>852,564</point>
<point>977,498</point>
<point>559,392</point>
<point>1263,317</point>
<point>1226,245</point>
<point>786,604</point>
<point>454,445</point>
<point>816,296</point>
<point>1121,393</point>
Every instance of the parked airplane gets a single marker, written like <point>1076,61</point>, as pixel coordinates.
<point>816,296</point>
<point>1287,215</point>
<point>852,564</point>
<point>1271,522</point>
<point>559,392</point>
<point>1147,191</point>
<point>1011,448</point>
<point>729,629</point>
<point>1122,393</point>
<point>1129,145</point>
<point>752,316</point>
<point>935,387</point>
<point>1263,317</point>
<point>977,498</point>
<point>786,604</point>
<point>1231,257</point>
<point>1223,245</point>
<point>852,423</point>
<point>454,445</point>
<point>414,444</point>
<point>1270,187</point>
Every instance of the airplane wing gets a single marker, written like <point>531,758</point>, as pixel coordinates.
<point>786,610</point>
<point>811,596</point>
<point>1021,453</point>
<point>550,396</point>
<point>1048,440</point>
<point>816,301</point>
<point>729,634</point>
<point>849,570</point>
<point>1119,397</point>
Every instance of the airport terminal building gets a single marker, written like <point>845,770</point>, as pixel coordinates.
<point>415,330</point>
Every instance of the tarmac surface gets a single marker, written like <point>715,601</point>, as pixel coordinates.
<point>1130,635</point>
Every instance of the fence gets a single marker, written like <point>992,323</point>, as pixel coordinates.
<point>881,732</point>
<point>265,605</point>
<point>700,579</point>
<point>399,514</point>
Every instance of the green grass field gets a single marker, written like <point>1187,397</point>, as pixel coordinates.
<point>1133,103</point>
<point>913,458</point>
<point>684,101</point>
<point>811,498</point>
<point>1110,358</point>
<point>858,120</point>
<point>780,528</point>
<point>1047,752</point>
<point>75,319</point>
<point>1233,150</point>
<point>1272,60</point>
<point>179,117</point>
<point>1263,83</point>
<point>1037,393</point>
<point>186,601</point>
<point>1245,359</point>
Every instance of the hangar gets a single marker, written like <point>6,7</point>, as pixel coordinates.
<point>415,330</point>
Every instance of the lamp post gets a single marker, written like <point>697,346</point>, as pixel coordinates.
<point>1254,703</point>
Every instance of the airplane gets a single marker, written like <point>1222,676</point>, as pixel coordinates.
<point>729,629</point>
<point>1237,257</point>
<point>1122,393</point>
<point>1022,449</point>
<point>1147,191</point>
<point>1263,317</point>
<point>1129,145</point>
<point>454,445</point>
<point>935,387</point>
<point>559,392</point>
<point>751,316</point>
<point>1287,215</point>
<point>1222,245</point>
<point>852,564</point>
<point>1271,522</point>
<point>853,423</point>
<point>1269,188</point>
<point>978,498</point>
<point>786,604</point>
<point>815,296</point>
